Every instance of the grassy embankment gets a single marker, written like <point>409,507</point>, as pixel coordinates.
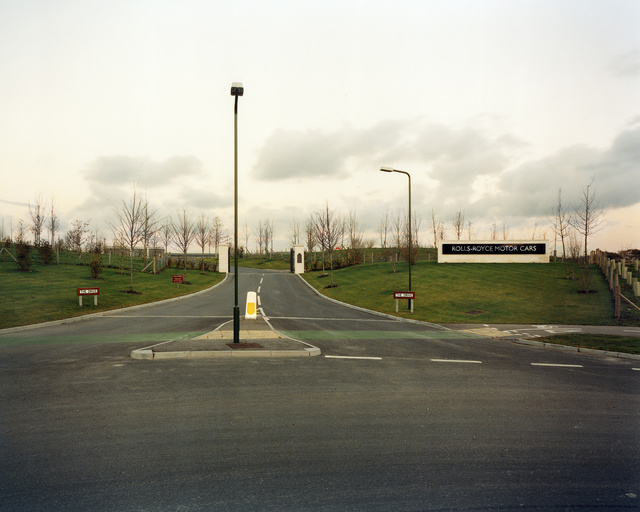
<point>483,293</point>
<point>49,292</point>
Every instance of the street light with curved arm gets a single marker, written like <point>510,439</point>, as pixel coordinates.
<point>391,169</point>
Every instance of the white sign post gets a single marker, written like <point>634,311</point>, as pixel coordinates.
<point>404,295</point>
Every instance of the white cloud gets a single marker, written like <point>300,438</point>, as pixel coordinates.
<point>626,64</point>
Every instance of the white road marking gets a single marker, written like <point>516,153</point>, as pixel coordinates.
<point>337,319</point>
<point>259,301</point>
<point>637,369</point>
<point>632,330</point>
<point>162,316</point>
<point>262,279</point>
<point>354,357</point>
<point>558,365</point>
<point>455,361</point>
<point>259,288</point>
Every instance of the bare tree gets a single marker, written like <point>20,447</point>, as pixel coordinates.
<point>149,226</point>
<point>329,230</point>
<point>458,224</point>
<point>247,233</point>
<point>437,227</point>
<point>410,256</point>
<point>310,235</point>
<point>588,219</point>
<point>505,231</point>
<point>269,237</point>
<point>469,230</point>
<point>77,236</point>
<point>294,234</point>
<point>217,233</point>
<point>355,238</point>
<point>22,230</point>
<point>183,233</point>
<point>259,236</point>
<point>384,227</point>
<point>202,235</point>
<point>37,210</point>
<point>166,233</point>
<point>560,225</point>
<point>54,223</point>
<point>129,227</point>
<point>535,228</point>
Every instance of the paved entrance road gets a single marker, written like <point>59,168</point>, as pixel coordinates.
<point>437,422</point>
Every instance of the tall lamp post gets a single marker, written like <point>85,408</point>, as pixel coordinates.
<point>236,90</point>
<point>391,169</point>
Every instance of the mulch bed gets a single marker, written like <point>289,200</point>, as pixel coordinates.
<point>244,345</point>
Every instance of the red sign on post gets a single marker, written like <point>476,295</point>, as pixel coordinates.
<point>178,279</point>
<point>404,295</point>
<point>88,291</point>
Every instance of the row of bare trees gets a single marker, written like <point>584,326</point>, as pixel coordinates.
<point>137,223</point>
<point>44,217</point>
<point>585,219</point>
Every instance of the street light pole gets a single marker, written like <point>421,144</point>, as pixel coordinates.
<point>236,90</point>
<point>391,169</point>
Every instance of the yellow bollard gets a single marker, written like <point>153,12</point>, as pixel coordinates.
<point>251,311</point>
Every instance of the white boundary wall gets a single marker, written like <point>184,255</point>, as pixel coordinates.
<point>493,251</point>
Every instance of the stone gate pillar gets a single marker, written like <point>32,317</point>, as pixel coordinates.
<point>298,259</point>
<point>223,258</point>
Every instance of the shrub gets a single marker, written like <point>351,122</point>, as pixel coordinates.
<point>24,259</point>
<point>95,266</point>
<point>46,253</point>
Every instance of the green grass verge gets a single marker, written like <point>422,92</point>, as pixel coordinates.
<point>267,264</point>
<point>475,293</point>
<point>49,292</point>
<point>626,344</point>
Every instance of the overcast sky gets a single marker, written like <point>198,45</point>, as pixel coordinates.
<point>491,105</point>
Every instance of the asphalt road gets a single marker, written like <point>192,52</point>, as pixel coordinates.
<point>391,416</point>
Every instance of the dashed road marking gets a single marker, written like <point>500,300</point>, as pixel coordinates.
<point>354,357</point>
<point>456,361</point>
<point>556,365</point>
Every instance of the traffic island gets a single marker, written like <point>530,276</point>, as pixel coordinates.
<point>257,339</point>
